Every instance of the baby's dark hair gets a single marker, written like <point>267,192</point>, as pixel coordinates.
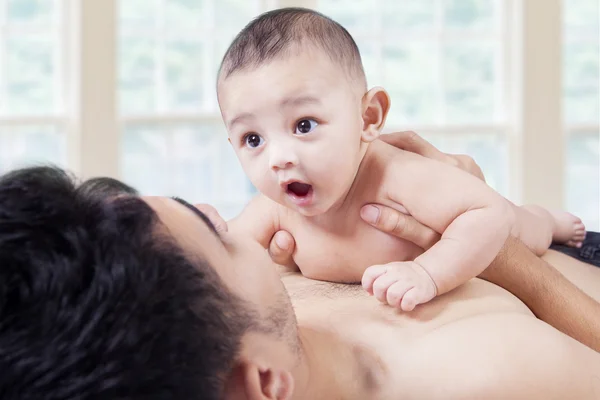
<point>276,32</point>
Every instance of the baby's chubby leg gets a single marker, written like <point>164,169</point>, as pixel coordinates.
<point>538,228</point>
<point>403,284</point>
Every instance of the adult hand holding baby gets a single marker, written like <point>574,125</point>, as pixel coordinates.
<point>384,218</point>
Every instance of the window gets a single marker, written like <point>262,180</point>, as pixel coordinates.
<point>173,140</point>
<point>32,114</point>
<point>581,100</point>
<point>456,70</point>
<point>443,64</point>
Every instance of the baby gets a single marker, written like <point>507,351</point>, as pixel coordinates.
<point>293,96</point>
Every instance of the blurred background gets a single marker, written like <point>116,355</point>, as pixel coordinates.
<point>126,88</point>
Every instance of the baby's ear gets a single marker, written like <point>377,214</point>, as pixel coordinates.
<point>375,107</point>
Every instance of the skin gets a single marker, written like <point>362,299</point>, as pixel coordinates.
<point>541,286</point>
<point>336,342</point>
<point>287,135</point>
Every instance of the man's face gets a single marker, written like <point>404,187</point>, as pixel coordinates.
<point>295,125</point>
<point>242,264</point>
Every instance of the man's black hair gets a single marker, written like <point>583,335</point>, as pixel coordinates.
<point>97,303</point>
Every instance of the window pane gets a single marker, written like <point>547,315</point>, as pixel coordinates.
<point>34,12</point>
<point>370,62</point>
<point>30,75</point>
<point>581,16</point>
<point>581,61</point>
<point>583,178</point>
<point>195,162</point>
<point>469,82</point>
<point>490,151</point>
<point>136,14</point>
<point>582,82</point>
<point>437,70</point>
<point>355,16</point>
<point>169,52</point>
<point>184,15</point>
<point>184,73</point>
<point>137,73</point>
<point>408,14</point>
<point>472,14</point>
<point>410,77</point>
<point>25,146</point>
<point>232,15</point>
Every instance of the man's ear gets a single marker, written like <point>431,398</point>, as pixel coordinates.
<point>254,382</point>
<point>375,107</point>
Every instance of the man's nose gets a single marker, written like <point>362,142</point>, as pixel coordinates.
<point>282,157</point>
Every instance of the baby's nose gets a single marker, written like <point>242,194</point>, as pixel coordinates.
<point>282,158</point>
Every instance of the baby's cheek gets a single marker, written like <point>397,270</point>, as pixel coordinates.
<point>264,181</point>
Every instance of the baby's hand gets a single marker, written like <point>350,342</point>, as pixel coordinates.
<point>399,284</point>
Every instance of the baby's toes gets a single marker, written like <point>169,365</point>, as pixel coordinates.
<point>574,243</point>
<point>579,236</point>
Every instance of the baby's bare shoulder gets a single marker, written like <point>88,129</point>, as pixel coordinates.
<point>395,162</point>
<point>433,192</point>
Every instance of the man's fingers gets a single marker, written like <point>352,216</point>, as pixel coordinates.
<point>467,163</point>
<point>281,248</point>
<point>398,224</point>
<point>411,141</point>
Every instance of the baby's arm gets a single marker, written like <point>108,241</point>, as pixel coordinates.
<point>259,220</point>
<point>472,218</point>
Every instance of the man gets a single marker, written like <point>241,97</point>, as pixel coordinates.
<point>106,295</point>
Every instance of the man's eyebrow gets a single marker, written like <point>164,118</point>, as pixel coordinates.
<point>199,213</point>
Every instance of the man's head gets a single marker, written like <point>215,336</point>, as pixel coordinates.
<point>292,93</point>
<point>107,295</point>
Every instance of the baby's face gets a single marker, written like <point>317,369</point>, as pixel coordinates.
<point>295,125</point>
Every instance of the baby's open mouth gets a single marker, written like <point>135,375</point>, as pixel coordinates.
<point>299,189</point>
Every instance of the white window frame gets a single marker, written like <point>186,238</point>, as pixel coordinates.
<point>534,70</point>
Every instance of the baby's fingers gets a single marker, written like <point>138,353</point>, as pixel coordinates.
<point>382,284</point>
<point>397,292</point>
<point>370,275</point>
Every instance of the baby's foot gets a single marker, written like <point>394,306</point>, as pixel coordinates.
<point>399,284</point>
<point>568,229</point>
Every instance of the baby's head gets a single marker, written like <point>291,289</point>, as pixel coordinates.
<point>293,95</point>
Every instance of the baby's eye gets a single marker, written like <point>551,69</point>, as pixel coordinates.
<point>305,126</point>
<point>253,140</point>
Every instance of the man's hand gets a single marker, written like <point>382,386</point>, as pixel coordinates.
<point>402,225</point>
<point>281,248</point>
